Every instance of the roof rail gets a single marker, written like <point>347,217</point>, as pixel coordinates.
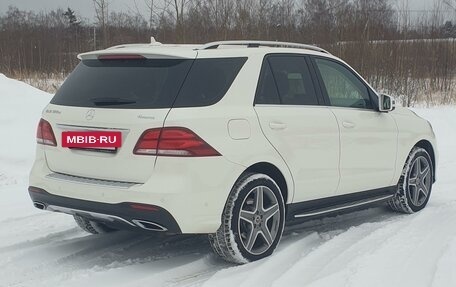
<point>256,43</point>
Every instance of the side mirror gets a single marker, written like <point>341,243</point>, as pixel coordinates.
<point>386,103</point>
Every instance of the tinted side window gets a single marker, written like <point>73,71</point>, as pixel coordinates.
<point>344,89</point>
<point>293,80</point>
<point>208,81</point>
<point>267,90</point>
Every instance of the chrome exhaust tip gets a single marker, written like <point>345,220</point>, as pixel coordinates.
<point>39,205</point>
<point>147,225</point>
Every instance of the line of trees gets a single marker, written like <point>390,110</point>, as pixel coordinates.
<point>410,55</point>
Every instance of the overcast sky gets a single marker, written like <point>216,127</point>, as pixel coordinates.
<point>85,8</point>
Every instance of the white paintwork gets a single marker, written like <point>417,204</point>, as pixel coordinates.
<point>411,129</point>
<point>308,143</point>
<point>103,165</point>
<point>368,141</point>
<point>321,151</point>
<point>239,129</point>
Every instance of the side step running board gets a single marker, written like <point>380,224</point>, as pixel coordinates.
<point>343,206</point>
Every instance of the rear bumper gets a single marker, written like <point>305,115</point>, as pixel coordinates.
<point>124,215</point>
<point>192,191</point>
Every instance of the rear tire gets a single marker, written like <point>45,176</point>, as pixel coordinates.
<point>415,184</point>
<point>252,221</point>
<point>92,226</point>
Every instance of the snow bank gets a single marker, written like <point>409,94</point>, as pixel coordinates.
<point>20,111</point>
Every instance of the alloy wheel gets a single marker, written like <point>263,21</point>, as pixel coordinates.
<point>419,182</point>
<point>259,220</point>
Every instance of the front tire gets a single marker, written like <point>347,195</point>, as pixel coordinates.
<point>415,184</point>
<point>252,221</point>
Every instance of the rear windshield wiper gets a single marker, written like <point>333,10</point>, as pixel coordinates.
<point>107,101</point>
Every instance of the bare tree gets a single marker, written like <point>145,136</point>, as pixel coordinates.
<point>409,56</point>
<point>178,8</point>
<point>101,13</point>
<point>150,5</point>
<point>450,3</point>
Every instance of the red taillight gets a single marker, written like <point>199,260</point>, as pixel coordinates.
<point>120,57</point>
<point>44,134</point>
<point>173,141</point>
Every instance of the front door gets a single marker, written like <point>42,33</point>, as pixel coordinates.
<point>368,138</point>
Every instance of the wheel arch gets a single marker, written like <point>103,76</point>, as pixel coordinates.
<point>425,144</point>
<point>275,173</point>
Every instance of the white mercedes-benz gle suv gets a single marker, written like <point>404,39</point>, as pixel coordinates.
<point>232,139</point>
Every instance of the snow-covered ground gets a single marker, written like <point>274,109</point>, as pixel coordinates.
<point>373,247</point>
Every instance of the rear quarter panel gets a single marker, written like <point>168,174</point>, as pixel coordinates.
<point>212,123</point>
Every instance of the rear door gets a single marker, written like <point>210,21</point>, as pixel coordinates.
<point>304,132</point>
<point>368,137</point>
<point>114,94</point>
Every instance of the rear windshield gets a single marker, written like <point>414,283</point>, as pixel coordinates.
<point>148,83</point>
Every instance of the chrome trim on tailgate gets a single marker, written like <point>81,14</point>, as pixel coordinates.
<point>90,181</point>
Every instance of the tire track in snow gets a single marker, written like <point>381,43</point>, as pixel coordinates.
<point>16,220</point>
<point>298,242</point>
<point>102,253</point>
<point>177,257</point>
<point>54,257</point>
<point>390,251</point>
<point>150,249</point>
<point>192,273</point>
<point>310,266</point>
<point>262,272</point>
<point>414,251</point>
<point>178,270</point>
<point>445,274</point>
<point>52,237</point>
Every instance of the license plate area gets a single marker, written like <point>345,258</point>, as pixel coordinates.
<point>101,141</point>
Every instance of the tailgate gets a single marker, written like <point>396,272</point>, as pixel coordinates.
<point>123,93</point>
<point>117,165</point>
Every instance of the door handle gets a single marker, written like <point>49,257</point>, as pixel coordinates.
<point>348,125</point>
<point>277,125</point>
